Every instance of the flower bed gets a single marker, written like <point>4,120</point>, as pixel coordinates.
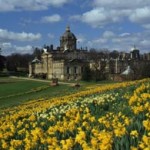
<point>104,118</point>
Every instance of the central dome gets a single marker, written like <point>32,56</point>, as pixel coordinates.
<point>68,34</point>
<point>68,40</point>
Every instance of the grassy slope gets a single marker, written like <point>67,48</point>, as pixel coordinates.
<point>11,86</point>
<point>15,86</point>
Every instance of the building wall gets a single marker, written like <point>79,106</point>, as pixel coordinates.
<point>35,69</point>
<point>57,70</point>
<point>73,71</point>
<point>68,68</point>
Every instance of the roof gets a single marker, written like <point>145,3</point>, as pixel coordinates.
<point>76,60</point>
<point>35,60</point>
<point>134,49</point>
<point>127,71</point>
<point>68,34</point>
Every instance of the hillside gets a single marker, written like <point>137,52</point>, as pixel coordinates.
<point>112,116</point>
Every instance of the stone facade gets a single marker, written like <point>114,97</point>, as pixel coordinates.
<point>65,63</point>
<point>68,63</point>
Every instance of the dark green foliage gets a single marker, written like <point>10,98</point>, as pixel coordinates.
<point>87,74</point>
<point>16,61</point>
<point>2,62</point>
<point>145,73</point>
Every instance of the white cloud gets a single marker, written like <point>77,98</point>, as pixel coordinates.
<point>51,19</point>
<point>12,5</point>
<point>6,45</point>
<point>107,12</point>
<point>108,34</point>
<point>122,41</point>
<point>145,44</point>
<point>57,2</point>
<point>147,26</point>
<point>124,34</point>
<point>80,39</point>
<point>141,16</point>
<point>23,49</point>
<point>100,41</point>
<point>95,17</point>
<point>8,48</point>
<point>6,35</point>
<point>75,17</point>
<point>51,36</point>
<point>121,4</point>
<point>98,17</point>
<point>24,22</point>
<point>136,11</point>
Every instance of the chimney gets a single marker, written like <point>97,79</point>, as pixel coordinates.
<point>51,47</point>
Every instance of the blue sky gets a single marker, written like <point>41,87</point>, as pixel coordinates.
<point>111,24</point>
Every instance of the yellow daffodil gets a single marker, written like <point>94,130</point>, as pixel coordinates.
<point>134,133</point>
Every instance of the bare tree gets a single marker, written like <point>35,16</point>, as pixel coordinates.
<point>98,60</point>
<point>2,61</point>
<point>15,61</point>
<point>37,52</point>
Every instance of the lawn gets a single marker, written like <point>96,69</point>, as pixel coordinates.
<point>16,91</point>
<point>10,86</point>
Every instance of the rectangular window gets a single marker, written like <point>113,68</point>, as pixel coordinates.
<point>75,70</point>
<point>68,70</point>
<point>82,69</point>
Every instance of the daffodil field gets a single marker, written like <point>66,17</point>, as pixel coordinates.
<point>105,117</point>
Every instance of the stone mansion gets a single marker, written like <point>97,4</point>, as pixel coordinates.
<point>68,63</point>
<point>65,63</point>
